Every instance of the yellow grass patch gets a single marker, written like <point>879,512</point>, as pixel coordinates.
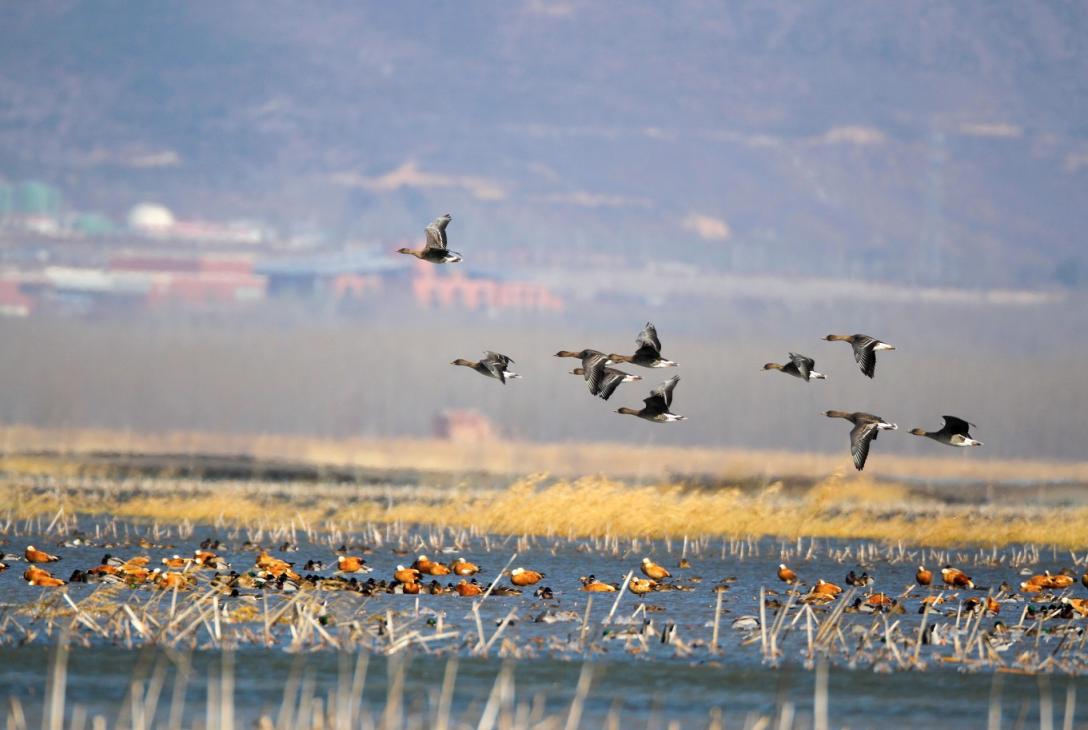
<point>852,507</point>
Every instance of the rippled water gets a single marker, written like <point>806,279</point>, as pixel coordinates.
<point>650,683</point>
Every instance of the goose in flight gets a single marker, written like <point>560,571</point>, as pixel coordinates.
<point>865,349</point>
<point>799,366</point>
<point>493,365</point>
<point>866,428</point>
<point>648,354</point>
<point>604,380</point>
<point>953,433</point>
<point>656,407</point>
<point>435,251</point>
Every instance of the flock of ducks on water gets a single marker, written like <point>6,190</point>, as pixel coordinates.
<point>270,572</point>
<point>602,380</point>
<point>1038,586</point>
<point>1046,590</point>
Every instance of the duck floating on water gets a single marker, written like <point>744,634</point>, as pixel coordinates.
<point>955,432</point>
<point>435,250</point>
<point>799,366</point>
<point>648,354</point>
<point>656,407</point>
<point>865,349</point>
<point>866,428</point>
<point>652,570</point>
<point>493,365</point>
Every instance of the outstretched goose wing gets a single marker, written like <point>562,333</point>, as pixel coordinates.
<point>594,371</point>
<point>436,232</point>
<point>665,390</point>
<point>648,338</point>
<point>804,365</point>
<point>865,354</point>
<point>955,426</point>
<point>860,438</point>
<point>609,383</point>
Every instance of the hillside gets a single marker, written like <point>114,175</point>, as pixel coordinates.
<point>920,142</point>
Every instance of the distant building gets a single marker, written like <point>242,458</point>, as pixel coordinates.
<point>13,303</point>
<point>456,290</point>
<point>156,221</point>
<point>463,426</point>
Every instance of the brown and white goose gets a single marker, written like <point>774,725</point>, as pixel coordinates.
<point>656,407</point>
<point>865,349</point>
<point>799,366</point>
<point>494,365</point>
<point>435,251</point>
<point>648,354</point>
<point>953,433</point>
<point>866,428</point>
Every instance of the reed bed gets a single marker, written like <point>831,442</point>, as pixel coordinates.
<point>516,458</point>
<point>837,507</point>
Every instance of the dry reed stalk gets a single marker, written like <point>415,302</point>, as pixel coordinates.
<point>619,595</point>
<point>585,624</point>
<point>717,617</point>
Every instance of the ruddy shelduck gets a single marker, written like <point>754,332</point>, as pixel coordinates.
<point>592,585</point>
<point>405,575</point>
<point>34,555</point>
<point>465,588</point>
<point>462,567</point>
<point>652,570</point>
<point>923,577</point>
<point>351,564</point>
<point>522,577</point>
<point>956,578</point>
<point>827,589</point>
<point>785,574</point>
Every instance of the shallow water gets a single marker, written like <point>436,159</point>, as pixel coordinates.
<point>649,681</point>
<point>646,694</point>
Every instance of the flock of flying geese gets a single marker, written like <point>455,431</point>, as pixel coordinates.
<point>603,380</point>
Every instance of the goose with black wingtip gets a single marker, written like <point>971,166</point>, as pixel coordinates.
<point>493,365</point>
<point>656,407</point>
<point>866,428</point>
<point>955,432</point>
<point>435,250</point>
<point>865,349</point>
<point>648,354</point>
<point>799,366</point>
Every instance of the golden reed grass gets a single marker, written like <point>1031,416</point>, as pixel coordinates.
<point>838,507</point>
<point>516,458</point>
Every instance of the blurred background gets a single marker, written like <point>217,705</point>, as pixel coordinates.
<point>199,205</point>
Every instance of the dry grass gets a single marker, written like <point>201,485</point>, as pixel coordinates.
<point>848,508</point>
<point>514,458</point>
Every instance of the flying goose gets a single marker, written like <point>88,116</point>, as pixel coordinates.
<point>494,365</point>
<point>799,366</point>
<point>602,380</point>
<point>866,428</point>
<point>648,354</point>
<point>954,433</point>
<point>435,251</point>
<point>656,407</point>
<point>865,349</point>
